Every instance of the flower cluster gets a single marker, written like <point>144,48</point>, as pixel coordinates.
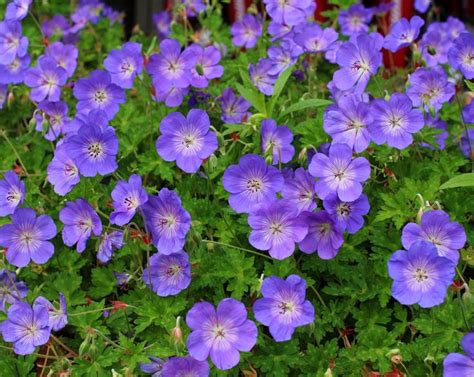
<point>293,188</point>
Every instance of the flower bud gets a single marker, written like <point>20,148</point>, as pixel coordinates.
<point>177,333</point>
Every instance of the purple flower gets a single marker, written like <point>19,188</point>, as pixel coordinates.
<point>440,137</point>
<point>395,121</point>
<point>207,65</point>
<point>220,333</point>
<point>466,144</point>
<point>234,109</point>
<point>65,56</point>
<point>461,55</point>
<point>12,193</point>
<point>436,227</point>
<point>97,92</point>
<point>430,88</point>
<point>45,80</point>
<point>331,53</point>
<point>420,276</point>
<point>260,76</point>
<point>283,57</point>
<point>122,278</point>
<point>57,316</point>
<point>17,10</point>
<point>109,242</point>
<point>251,182</point>
<point>127,198</point>
<point>95,146</point>
<point>347,215</point>
<point>339,173</point>
<point>80,221</point>
<point>14,73</point>
<point>193,7</point>
<point>187,141</point>
<point>358,60</point>
<point>434,46</point>
<point>298,191</point>
<point>168,274</point>
<point>422,5</point>
<point>324,236</point>
<point>458,365</point>
<point>12,43</point>
<point>348,122</point>
<point>276,227</point>
<point>57,25</point>
<point>281,31</point>
<point>315,39</point>
<point>276,141</point>
<point>167,92</point>
<point>26,327</point>
<point>27,238</point>
<point>246,31</point>
<point>172,65</point>
<point>125,64</point>
<point>154,367</point>
<point>283,307</point>
<point>162,22</point>
<point>289,12</point>
<point>167,221</point>
<point>3,94</point>
<point>63,173</point>
<point>454,27</point>
<point>11,290</point>
<point>403,33</point>
<point>56,115</point>
<point>354,20</point>
<point>184,366</point>
<point>112,14</point>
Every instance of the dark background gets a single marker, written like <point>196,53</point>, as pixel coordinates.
<point>139,12</point>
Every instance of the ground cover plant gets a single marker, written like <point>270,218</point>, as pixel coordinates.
<point>268,198</point>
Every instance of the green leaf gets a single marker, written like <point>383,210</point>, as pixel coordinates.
<point>305,104</point>
<point>256,99</point>
<point>463,180</point>
<point>470,85</point>
<point>278,88</point>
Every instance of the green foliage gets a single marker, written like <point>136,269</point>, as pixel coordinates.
<point>358,326</point>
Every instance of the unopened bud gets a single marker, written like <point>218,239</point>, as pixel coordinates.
<point>176,332</point>
<point>328,373</point>
<point>396,359</point>
<point>10,98</point>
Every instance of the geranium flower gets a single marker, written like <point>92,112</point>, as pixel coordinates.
<point>436,227</point>
<point>26,327</point>
<point>339,173</point>
<point>28,238</point>
<point>251,182</point>
<point>187,141</point>
<point>167,221</point>
<point>283,307</point>
<point>276,227</point>
<point>420,276</point>
<point>395,121</point>
<point>80,222</point>
<point>168,274</point>
<point>12,193</point>
<point>324,236</point>
<point>220,333</point>
<point>246,31</point>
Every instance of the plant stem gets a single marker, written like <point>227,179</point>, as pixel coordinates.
<point>471,154</point>
<point>91,311</point>
<point>72,352</point>
<point>238,248</point>
<point>7,139</point>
